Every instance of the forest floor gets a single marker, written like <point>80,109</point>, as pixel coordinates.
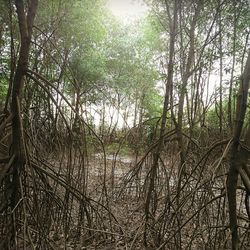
<point>127,210</point>
<point>118,182</point>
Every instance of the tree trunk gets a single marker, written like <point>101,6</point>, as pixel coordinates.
<point>17,148</point>
<point>229,111</point>
<point>185,77</point>
<point>221,76</point>
<point>169,82</point>
<point>237,154</point>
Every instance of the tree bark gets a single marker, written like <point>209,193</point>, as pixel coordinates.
<point>229,111</point>
<point>185,77</point>
<point>156,155</point>
<point>238,154</point>
<point>17,148</point>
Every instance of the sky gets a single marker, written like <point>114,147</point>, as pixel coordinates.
<point>127,10</point>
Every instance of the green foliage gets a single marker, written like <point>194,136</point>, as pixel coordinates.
<point>88,66</point>
<point>153,103</point>
<point>152,30</point>
<point>3,90</point>
<point>212,119</point>
<point>212,116</point>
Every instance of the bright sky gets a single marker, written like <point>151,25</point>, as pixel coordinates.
<point>127,9</point>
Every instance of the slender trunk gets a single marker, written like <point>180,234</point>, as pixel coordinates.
<point>229,111</point>
<point>221,76</point>
<point>185,78</point>
<point>135,110</point>
<point>179,125</point>
<point>12,58</point>
<point>237,154</point>
<point>18,149</point>
<point>156,155</point>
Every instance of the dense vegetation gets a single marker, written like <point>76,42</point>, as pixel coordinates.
<point>124,135</point>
